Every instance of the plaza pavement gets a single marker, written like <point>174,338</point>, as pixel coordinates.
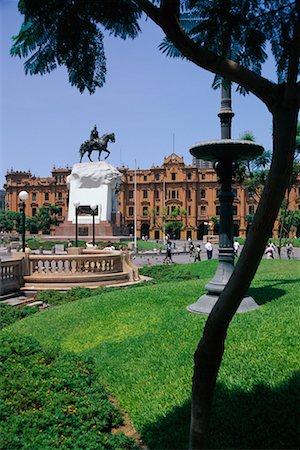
<point>179,256</point>
<point>150,258</point>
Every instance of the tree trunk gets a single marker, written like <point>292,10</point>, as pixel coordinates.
<point>208,355</point>
<point>281,228</point>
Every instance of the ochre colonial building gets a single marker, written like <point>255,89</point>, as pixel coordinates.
<point>177,186</point>
<point>42,191</point>
<point>161,192</point>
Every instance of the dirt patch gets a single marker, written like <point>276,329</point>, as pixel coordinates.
<point>127,428</point>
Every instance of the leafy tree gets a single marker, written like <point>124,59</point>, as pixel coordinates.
<point>46,217</point>
<point>175,213</point>
<point>173,227</point>
<point>9,220</point>
<point>225,38</point>
<point>253,174</point>
<point>288,218</point>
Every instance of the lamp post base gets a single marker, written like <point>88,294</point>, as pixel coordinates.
<point>206,302</point>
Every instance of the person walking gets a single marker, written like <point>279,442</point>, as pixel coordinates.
<point>197,253</point>
<point>209,249</point>
<point>289,250</point>
<point>236,247</point>
<point>270,251</point>
<point>191,248</point>
<point>168,257</point>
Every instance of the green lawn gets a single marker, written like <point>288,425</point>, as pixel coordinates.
<point>143,340</point>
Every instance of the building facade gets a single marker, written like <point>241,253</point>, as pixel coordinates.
<point>172,192</point>
<point>175,186</point>
<point>42,191</point>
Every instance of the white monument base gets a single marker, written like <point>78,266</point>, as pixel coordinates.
<point>93,183</point>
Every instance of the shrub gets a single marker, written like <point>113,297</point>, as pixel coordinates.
<point>52,297</point>
<point>10,314</point>
<point>48,399</point>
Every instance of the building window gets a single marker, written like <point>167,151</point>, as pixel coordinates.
<point>203,210</point>
<point>189,210</point>
<point>173,208</point>
<point>46,196</point>
<point>168,210</point>
<point>145,194</point>
<point>251,209</point>
<point>218,210</point>
<point>202,176</point>
<point>60,212</point>
<point>130,211</point>
<point>33,196</point>
<point>157,176</point>
<point>202,193</point>
<point>156,195</point>
<point>189,176</point>
<point>157,210</point>
<point>130,194</point>
<point>59,195</point>
<point>130,177</point>
<point>173,176</point>
<point>189,194</point>
<point>173,194</point>
<point>33,212</point>
<point>145,178</point>
<point>145,210</point>
<point>234,210</point>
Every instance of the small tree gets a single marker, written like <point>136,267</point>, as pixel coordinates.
<point>173,228</point>
<point>8,220</point>
<point>46,217</point>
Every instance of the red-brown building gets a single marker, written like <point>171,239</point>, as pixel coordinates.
<point>174,186</point>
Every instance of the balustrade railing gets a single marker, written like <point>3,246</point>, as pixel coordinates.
<point>11,278</point>
<point>74,264</point>
<point>55,267</point>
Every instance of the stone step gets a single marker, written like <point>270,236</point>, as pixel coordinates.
<point>37,303</point>
<point>77,278</point>
<point>18,301</point>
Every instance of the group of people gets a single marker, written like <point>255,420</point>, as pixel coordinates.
<point>270,250</point>
<point>196,252</point>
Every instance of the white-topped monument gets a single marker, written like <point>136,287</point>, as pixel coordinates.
<point>93,183</point>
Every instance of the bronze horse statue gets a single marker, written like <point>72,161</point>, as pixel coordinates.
<point>98,144</point>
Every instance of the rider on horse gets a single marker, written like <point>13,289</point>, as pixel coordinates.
<point>94,136</point>
<point>96,143</point>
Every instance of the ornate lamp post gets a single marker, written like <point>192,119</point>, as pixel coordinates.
<point>224,153</point>
<point>93,208</point>
<point>23,196</point>
<point>76,205</point>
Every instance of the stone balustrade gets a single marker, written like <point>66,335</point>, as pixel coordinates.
<point>73,264</point>
<point>11,275</point>
<point>90,269</point>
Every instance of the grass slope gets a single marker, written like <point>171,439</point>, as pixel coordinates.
<point>143,340</point>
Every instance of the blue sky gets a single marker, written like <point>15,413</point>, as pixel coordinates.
<point>147,99</point>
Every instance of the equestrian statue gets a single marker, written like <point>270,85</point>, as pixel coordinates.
<point>96,144</point>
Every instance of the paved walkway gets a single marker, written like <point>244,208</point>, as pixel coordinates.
<point>180,257</point>
<point>179,254</point>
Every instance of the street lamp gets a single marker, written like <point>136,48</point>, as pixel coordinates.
<point>93,208</point>
<point>23,196</point>
<point>76,205</point>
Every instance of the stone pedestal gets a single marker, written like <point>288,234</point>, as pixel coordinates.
<point>93,183</point>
